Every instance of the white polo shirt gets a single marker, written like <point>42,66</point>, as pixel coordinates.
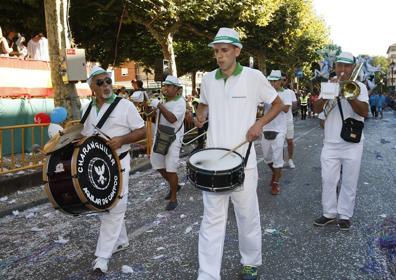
<point>333,122</point>
<point>124,119</point>
<point>279,123</point>
<point>178,108</point>
<point>232,107</point>
<point>289,114</point>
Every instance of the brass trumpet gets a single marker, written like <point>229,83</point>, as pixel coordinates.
<point>350,89</point>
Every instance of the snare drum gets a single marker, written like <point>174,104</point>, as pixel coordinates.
<point>83,176</point>
<point>208,174</point>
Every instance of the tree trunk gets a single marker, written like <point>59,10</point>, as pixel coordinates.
<point>169,53</point>
<point>194,80</point>
<point>262,66</point>
<point>56,15</point>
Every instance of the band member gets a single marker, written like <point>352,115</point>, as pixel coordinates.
<point>230,95</point>
<point>124,125</point>
<point>275,131</point>
<point>337,152</point>
<point>171,114</point>
<point>290,126</point>
<point>304,98</point>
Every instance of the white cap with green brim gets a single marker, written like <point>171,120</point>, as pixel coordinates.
<point>172,80</point>
<point>275,75</point>
<point>345,57</point>
<point>96,70</point>
<point>227,36</point>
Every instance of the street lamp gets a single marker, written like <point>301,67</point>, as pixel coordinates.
<point>392,65</point>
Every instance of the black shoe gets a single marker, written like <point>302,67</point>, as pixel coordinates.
<point>323,221</point>
<point>171,206</point>
<point>344,224</point>
<point>168,196</point>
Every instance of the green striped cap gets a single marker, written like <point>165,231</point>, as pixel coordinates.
<point>346,57</point>
<point>227,36</point>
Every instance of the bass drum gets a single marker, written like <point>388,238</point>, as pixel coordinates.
<point>83,176</point>
<point>207,174</point>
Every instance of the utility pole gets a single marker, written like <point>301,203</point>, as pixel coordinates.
<point>56,21</point>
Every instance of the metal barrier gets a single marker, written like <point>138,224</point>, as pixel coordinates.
<point>18,161</point>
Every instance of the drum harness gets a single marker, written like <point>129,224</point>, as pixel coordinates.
<point>104,118</point>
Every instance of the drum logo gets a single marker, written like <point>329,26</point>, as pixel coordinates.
<point>98,172</point>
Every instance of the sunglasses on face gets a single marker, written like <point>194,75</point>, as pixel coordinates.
<point>100,82</point>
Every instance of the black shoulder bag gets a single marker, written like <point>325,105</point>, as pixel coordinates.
<point>352,129</point>
<point>164,137</point>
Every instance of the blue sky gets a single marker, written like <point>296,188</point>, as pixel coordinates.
<point>360,26</point>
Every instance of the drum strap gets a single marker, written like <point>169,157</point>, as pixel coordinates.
<point>84,118</point>
<point>108,112</point>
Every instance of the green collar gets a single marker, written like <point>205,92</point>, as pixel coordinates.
<point>174,99</point>
<point>108,101</point>
<point>220,75</point>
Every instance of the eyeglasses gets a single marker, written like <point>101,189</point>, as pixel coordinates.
<point>100,82</point>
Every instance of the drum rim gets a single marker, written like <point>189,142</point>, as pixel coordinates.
<point>204,188</point>
<point>221,171</point>
<point>76,183</point>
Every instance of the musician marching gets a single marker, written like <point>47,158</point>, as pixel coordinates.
<point>339,152</point>
<point>231,95</point>
<point>125,126</point>
<point>275,131</point>
<point>171,115</point>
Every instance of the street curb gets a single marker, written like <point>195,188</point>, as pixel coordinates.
<point>23,206</point>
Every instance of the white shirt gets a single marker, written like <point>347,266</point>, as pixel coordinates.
<point>138,96</point>
<point>124,119</point>
<point>333,122</point>
<point>38,50</point>
<point>232,108</point>
<point>289,114</point>
<point>279,123</point>
<point>178,108</point>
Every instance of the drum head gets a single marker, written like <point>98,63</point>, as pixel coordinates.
<point>207,159</point>
<point>66,137</point>
<point>97,173</point>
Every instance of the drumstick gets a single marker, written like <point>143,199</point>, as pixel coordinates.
<point>101,132</point>
<point>233,150</point>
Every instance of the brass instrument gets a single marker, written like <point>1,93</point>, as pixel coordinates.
<point>195,138</point>
<point>350,89</point>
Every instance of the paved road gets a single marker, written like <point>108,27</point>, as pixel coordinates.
<point>41,243</point>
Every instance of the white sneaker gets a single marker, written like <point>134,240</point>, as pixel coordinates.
<point>101,264</point>
<point>120,247</point>
<point>291,164</point>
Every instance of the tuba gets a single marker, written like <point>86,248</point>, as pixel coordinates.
<point>350,89</point>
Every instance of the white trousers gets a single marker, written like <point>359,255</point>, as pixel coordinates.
<point>273,150</point>
<point>112,228</point>
<point>347,155</point>
<point>213,227</point>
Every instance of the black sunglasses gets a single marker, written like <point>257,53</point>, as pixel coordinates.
<point>100,82</point>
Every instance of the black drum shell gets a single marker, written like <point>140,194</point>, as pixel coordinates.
<point>216,180</point>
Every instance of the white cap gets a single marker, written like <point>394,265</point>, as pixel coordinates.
<point>345,57</point>
<point>96,70</point>
<point>172,80</point>
<point>275,75</point>
<point>227,36</point>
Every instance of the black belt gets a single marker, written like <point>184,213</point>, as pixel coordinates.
<point>122,155</point>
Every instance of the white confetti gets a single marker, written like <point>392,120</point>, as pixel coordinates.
<point>30,215</point>
<point>15,212</point>
<point>158,257</point>
<point>162,184</point>
<point>148,199</point>
<point>182,184</point>
<point>270,231</point>
<point>48,215</point>
<point>182,216</point>
<point>36,229</point>
<point>366,183</point>
<point>383,215</point>
<point>188,230</point>
<point>61,240</point>
<point>4,198</point>
<point>126,269</point>
<point>12,201</point>
<point>160,248</point>
<point>148,231</point>
<point>191,198</point>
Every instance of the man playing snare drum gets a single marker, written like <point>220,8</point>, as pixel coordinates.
<point>230,95</point>
<point>171,116</point>
<point>124,126</point>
